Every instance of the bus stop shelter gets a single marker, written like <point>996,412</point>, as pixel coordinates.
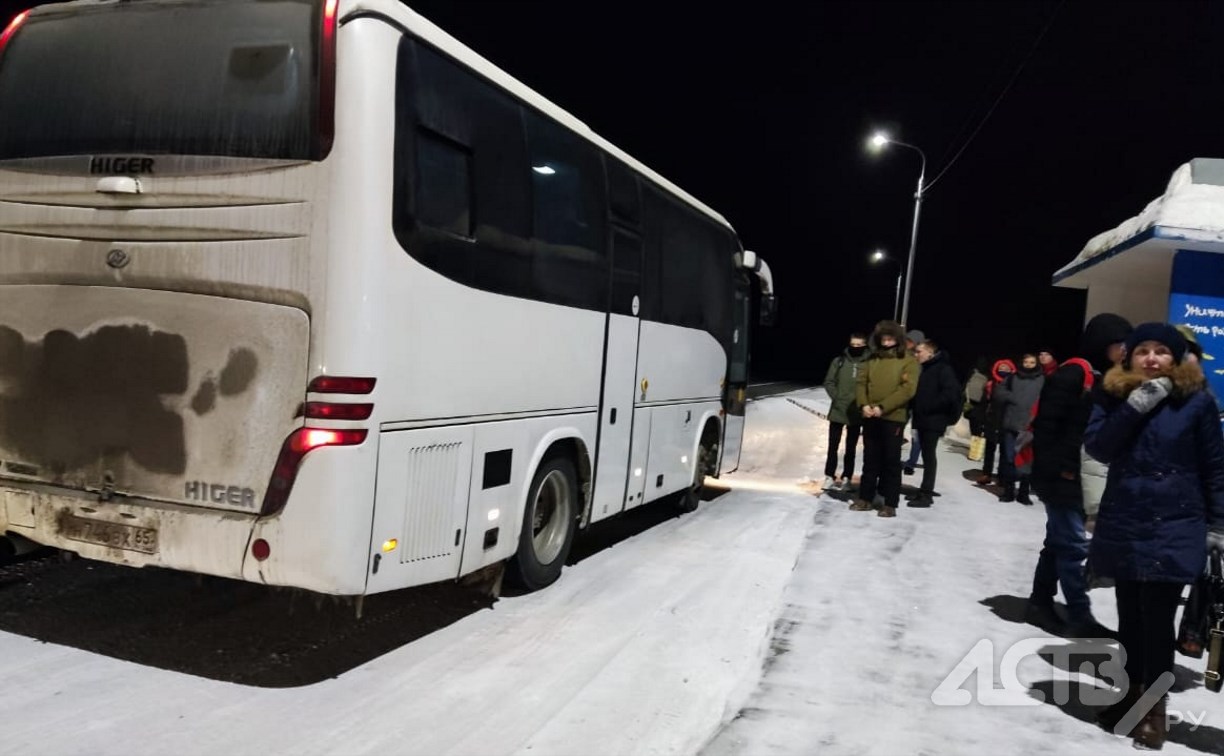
<point>1166,263</point>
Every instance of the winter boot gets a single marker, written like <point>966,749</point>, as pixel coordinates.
<point>1087,628</point>
<point>1041,614</point>
<point>1151,733</point>
<point>1109,717</point>
<point>923,499</point>
<point>1009,492</point>
<point>887,511</point>
<point>861,505</point>
<point>1022,495</point>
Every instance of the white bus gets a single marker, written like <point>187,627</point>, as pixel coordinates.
<point>306,293</point>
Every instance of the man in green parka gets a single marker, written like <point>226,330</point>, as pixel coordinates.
<point>841,383</point>
<point>886,384</point>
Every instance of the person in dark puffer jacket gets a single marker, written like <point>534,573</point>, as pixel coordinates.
<point>936,405</point>
<point>1057,475</point>
<point>1157,428</point>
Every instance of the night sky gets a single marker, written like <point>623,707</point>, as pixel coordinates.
<point>763,113</point>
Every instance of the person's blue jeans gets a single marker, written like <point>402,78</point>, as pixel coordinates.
<point>1007,456</point>
<point>1062,560</point>
<point>915,449</point>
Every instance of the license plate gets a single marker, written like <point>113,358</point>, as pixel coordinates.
<point>112,534</point>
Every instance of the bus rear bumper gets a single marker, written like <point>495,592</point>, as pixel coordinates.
<point>133,532</point>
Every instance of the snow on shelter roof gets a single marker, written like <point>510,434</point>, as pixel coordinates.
<point>1189,215</point>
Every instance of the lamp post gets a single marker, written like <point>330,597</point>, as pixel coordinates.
<point>878,142</point>
<point>880,256</point>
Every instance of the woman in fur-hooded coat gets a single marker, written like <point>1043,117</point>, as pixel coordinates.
<point>1157,428</point>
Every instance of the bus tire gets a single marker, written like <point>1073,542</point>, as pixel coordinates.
<point>550,519</point>
<point>707,454</point>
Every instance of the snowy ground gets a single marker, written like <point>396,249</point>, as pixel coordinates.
<point>770,621</point>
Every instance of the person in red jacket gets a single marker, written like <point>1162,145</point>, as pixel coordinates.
<point>993,417</point>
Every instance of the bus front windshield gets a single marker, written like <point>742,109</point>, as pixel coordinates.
<point>187,77</point>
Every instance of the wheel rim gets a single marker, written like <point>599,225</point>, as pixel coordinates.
<point>551,515</point>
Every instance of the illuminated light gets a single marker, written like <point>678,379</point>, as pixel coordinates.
<point>637,472</point>
<point>299,443</point>
<point>494,514</point>
<point>544,170</point>
<point>327,81</point>
<point>260,549</point>
<point>11,29</point>
<point>334,384</point>
<point>684,460</point>
<point>878,140</point>
<point>763,485</point>
<point>337,411</point>
<point>390,545</point>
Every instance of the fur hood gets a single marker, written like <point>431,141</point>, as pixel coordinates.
<point>1187,379</point>
<point>891,328</point>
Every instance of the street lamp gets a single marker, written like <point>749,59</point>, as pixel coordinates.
<point>880,256</point>
<point>879,141</point>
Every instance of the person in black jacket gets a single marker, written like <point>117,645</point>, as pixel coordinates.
<point>1058,436</point>
<point>936,404</point>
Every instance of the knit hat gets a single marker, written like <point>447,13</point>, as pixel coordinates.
<point>916,336</point>
<point>1192,344</point>
<point>1102,331</point>
<point>1161,332</point>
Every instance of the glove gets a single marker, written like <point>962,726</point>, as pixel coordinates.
<point>1149,394</point>
<point>1215,540</point>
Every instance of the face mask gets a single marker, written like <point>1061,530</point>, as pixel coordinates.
<point>856,351</point>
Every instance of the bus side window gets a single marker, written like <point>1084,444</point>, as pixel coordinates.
<point>444,190</point>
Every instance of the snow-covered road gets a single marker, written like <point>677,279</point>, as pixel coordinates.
<point>769,621</point>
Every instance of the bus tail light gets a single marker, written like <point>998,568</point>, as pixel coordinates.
<point>338,411</point>
<point>300,443</point>
<point>261,550</point>
<point>11,29</point>
<point>336,384</point>
<point>327,79</point>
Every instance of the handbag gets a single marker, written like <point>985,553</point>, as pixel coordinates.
<point>977,448</point>
<point>1202,623</point>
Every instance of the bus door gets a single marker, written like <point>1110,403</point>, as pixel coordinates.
<point>735,390</point>
<point>618,450</point>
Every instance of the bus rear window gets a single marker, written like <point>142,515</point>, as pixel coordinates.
<point>187,77</point>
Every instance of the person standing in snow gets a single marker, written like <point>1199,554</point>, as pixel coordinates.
<point>993,418</point>
<point>975,397</point>
<point>937,404</point>
<point>886,384</point>
<point>1058,438</point>
<point>840,383</point>
<point>1157,428</point>
<point>912,340</point>
<point>1017,394</point>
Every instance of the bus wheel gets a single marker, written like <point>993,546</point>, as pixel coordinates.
<point>707,453</point>
<point>550,519</point>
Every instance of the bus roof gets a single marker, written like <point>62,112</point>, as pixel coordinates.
<point>432,34</point>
